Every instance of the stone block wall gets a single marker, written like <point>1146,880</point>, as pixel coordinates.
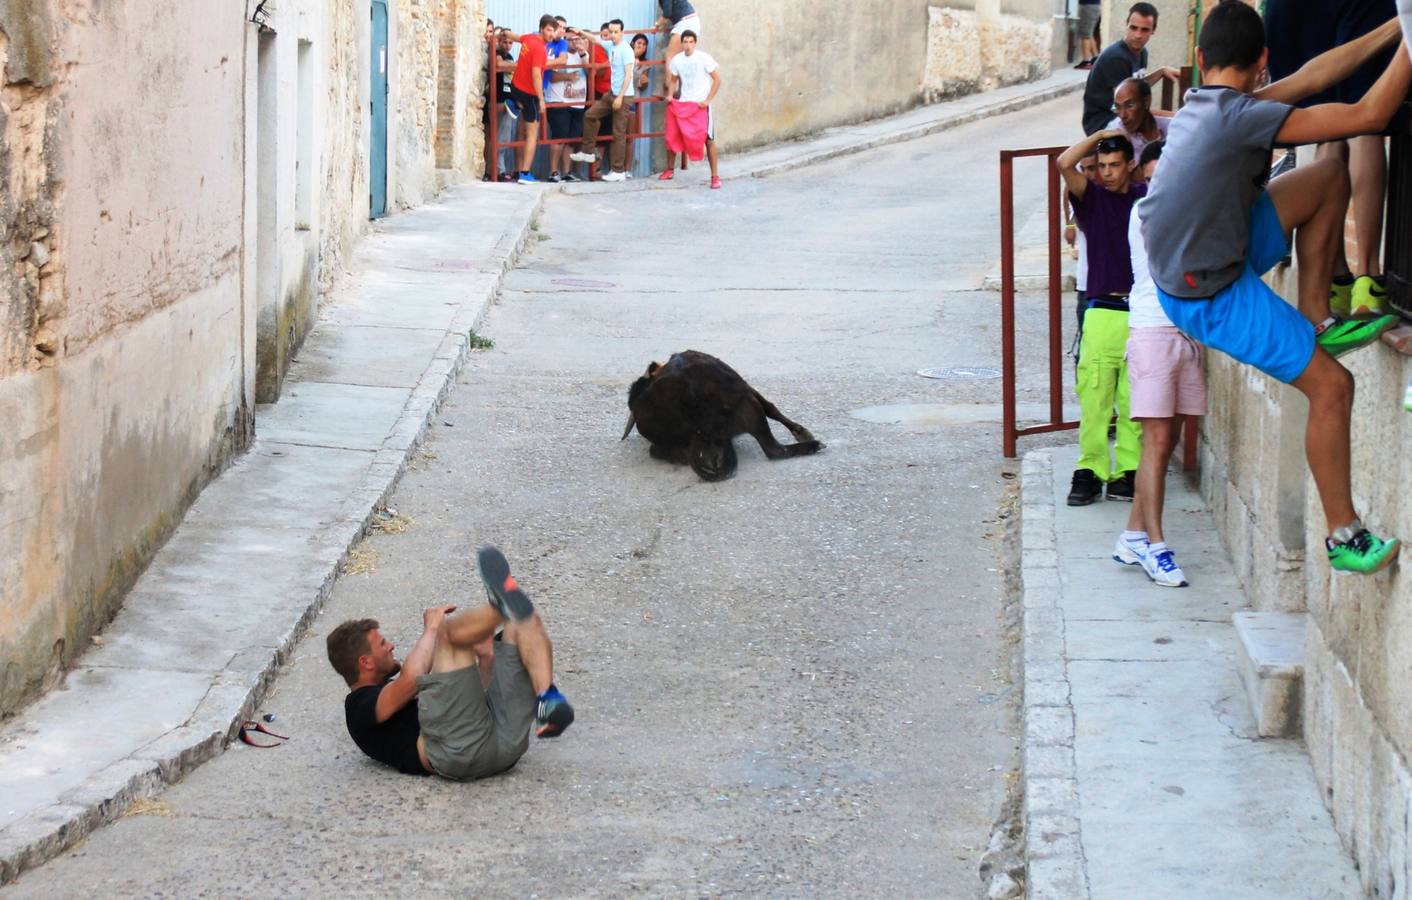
<point>969,52</point>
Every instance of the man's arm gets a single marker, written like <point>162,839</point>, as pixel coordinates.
<point>627,80</point>
<point>1068,161</point>
<point>400,691</point>
<point>1161,72</point>
<point>1329,68</point>
<point>537,74</point>
<point>588,36</point>
<point>1332,121</point>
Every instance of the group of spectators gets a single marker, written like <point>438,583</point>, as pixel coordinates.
<point>544,93</point>
<point>1176,218</point>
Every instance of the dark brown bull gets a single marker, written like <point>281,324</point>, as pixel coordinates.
<point>692,407</point>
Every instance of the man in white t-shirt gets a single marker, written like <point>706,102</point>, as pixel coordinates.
<point>1164,372</point>
<point>699,78</point>
<point>567,85</point>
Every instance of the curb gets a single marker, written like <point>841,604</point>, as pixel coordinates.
<point>1054,857</point>
<point>238,691</point>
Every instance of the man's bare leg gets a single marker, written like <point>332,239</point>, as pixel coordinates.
<point>1329,387</point>
<point>1158,441</point>
<point>1312,202</point>
<point>536,652</point>
<point>1367,167</point>
<point>711,156</point>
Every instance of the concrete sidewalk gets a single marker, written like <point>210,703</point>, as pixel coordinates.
<point>1143,774</point>
<point>223,602</point>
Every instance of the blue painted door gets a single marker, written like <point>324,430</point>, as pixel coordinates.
<point>377,155</point>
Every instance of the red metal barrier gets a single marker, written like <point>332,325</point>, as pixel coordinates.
<point>1011,432</point>
<point>492,138</point>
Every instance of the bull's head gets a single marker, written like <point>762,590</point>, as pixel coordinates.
<point>635,391</point>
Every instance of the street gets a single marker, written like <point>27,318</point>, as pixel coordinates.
<point>797,682</point>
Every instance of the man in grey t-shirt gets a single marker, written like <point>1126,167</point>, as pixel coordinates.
<point>1212,230</point>
<point>1122,59</point>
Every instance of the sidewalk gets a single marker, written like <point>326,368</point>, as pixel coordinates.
<point>846,140</point>
<point>202,633</point>
<point>1143,776</point>
<point>222,604</point>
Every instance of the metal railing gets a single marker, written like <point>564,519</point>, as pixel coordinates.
<point>492,138</point>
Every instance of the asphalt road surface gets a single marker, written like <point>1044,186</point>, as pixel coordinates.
<point>792,683</point>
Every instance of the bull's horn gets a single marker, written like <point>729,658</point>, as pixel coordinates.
<point>632,420</point>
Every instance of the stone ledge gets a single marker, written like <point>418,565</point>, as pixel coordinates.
<point>1270,661</point>
<point>1400,338</point>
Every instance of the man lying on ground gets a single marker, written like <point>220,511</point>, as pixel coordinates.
<point>462,703</point>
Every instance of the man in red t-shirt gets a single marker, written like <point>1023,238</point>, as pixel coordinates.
<point>602,78</point>
<point>527,87</point>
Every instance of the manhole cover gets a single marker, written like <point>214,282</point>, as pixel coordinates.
<point>961,372</point>
<point>582,282</point>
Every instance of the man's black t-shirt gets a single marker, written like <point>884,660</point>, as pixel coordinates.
<point>1114,64</point>
<point>394,742</point>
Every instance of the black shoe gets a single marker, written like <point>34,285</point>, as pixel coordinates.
<point>1122,488</point>
<point>504,593</point>
<point>555,177</point>
<point>1085,489</point>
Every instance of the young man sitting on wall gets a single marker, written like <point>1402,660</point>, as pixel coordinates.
<point>1212,229</point>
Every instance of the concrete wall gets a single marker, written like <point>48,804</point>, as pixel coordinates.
<point>792,67</point>
<point>177,186</point>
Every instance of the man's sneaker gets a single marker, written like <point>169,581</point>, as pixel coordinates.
<point>1364,553</point>
<point>500,586</point>
<point>615,176</point>
<point>1369,297</point>
<point>512,108</point>
<point>1129,553</point>
<point>715,183</point>
<point>555,177</point>
<point>1407,398</point>
<point>1085,488</point>
<point>1161,566</point>
<point>580,156</point>
<point>1123,487</point>
<point>1341,336</point>
<point>667,175</point>
<point>527,178</point>
<point>1341,296</point>
<point>571,177</point>
<point>553,715</point>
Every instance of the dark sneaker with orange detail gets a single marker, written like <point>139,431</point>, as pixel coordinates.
<point>553,715</point>
<point>504,592</point>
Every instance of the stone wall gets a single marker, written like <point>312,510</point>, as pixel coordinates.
<point>969,52</point>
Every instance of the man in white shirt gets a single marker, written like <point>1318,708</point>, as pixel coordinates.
<point>699,78</point>
<point>1164,371</point>
<point>620,65</point>
<point>567,85</point>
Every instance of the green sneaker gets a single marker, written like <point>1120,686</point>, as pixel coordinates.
<point>1369,297</point>
<point>1364,553</point>
<point>1341,296</point>
<point>1407,398</point>
<point>1344,335</point>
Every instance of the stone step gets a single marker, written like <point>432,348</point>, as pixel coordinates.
<point>1271,664</point>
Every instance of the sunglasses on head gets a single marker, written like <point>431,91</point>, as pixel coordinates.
<point>1111,145</point>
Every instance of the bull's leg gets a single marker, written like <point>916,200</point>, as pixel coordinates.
<point>760,430</point>
<point>799,431</point>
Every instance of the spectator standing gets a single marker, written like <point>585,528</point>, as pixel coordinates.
<point>1132,101</point>
<point>699,78</point>
<point>568,85</point>
<point>1102,210</point>
<point>1211,229</point>
<point>678,17</point>
<point>1089,13</point>
<point>505,123</point>
<point>527,88</point>
<point>642,87</point>
<point>1126,58</point>
<point>612,104</point>
<point>1164,374</point>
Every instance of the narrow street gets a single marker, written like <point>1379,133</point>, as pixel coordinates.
<point>796,682</point>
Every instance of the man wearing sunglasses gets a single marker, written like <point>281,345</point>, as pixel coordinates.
<point>1102,209</point>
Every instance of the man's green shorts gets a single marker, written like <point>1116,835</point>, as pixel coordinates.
<point>472,732</point>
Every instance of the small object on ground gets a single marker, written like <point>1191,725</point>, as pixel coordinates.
<point>715,182</point>
<point>1364,553</point>
<point>1160,564</point>
<point>247,727</point>
<point>1085,488</point>
<point>268,717</point>
<point>554,714</point>
<point>667,175</point>
<point>1340,336</point>
<point>1123,487</point>
<point>504,592</point>
<point>693,407</point>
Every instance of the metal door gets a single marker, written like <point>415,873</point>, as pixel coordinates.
<point>377,152</point>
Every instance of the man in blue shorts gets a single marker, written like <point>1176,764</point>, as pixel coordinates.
<point>1212,229</point>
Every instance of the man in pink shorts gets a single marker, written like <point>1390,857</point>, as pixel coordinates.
<point>1164,373</point>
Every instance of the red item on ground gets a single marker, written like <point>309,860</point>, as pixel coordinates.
<point>687,127</point>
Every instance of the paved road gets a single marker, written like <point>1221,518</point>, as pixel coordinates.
<point>793,683</point>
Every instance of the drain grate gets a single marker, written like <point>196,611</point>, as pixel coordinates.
<point>961,373</point>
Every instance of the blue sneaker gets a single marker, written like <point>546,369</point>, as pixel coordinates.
<point>1161,566</point>
<point>554,714</point>
<point>512,107</point>
<point>1129,553</point>
<point>527,178</point>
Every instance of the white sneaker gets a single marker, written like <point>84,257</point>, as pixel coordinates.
<point>615,176</point>
<point>580,156</point>
<point>627,174</point>
<point>1162,568</point>
<point>1129,554</point>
